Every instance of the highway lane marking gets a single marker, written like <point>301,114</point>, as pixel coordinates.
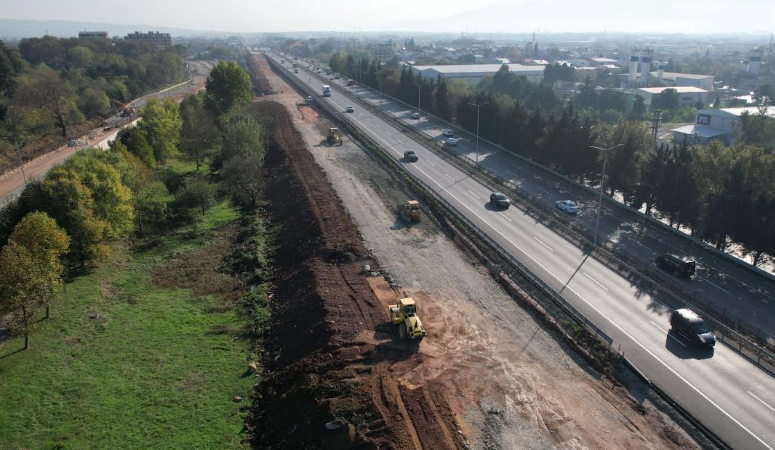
<point>596,282</point>
<point>549,193</point>
<point>474,195</point>
<point>763,402</point>
<point>505,217</point>
<point>667,333</point>
<point>542,243</point>
<point>433,165</point>
<point>714,284</point>
<point>449,176</point>
<point>642,245</point>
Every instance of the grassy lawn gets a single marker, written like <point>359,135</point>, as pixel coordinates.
<point>124,363</point>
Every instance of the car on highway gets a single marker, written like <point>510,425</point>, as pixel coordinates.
<point>452,141</point>
<point>411,156</point>
<point>309,99</point>
<point>499,200</point>
<point>447,132</point>
<point>415,115</point>
<point>350,109</point>
<point>679,265</point>
<point>569,206</point>
<point>691,326</point>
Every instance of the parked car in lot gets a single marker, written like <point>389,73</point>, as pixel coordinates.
<point>678,265</point>
<point>569,206</point>
<point>415,115</point>
<point>499,200</point>
<point>448,132</point>
<point>691,326</point>
<point>350,109</point>
<point>452,141</point>
<point>411,156</point>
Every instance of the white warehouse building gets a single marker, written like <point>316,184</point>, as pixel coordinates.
<point>473,73</point>
<point>687,95</point>
<point>716,124</point>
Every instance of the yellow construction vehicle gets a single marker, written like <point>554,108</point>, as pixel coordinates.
<point>404,314</point>
<point>409,211</point>
<point>334,138</point>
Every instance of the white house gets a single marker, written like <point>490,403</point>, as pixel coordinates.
<point>716,124</point>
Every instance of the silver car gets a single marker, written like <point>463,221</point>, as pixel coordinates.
<point>569,206</point>
<point>447,132</point>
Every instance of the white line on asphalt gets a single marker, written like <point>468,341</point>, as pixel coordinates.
<point>542,243</point>
<point>763,403</point>
<point>474,195</point>
<point>433,165</point>
<point>504,216</point>
<point>596,282</point>
<point>638,242</point>
<point>449,176</point>
<point>714,284</point>
<point>549,193</point>
<point>667,333</point>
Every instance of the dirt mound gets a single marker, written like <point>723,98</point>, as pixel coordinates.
<point>331,363</point>
<point>257,65</point>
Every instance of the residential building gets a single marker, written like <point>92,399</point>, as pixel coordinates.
<point>92,35</point>
<point>153,38</point>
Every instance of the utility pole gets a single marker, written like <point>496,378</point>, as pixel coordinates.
<point>19,154</point>
<point>602,181</point>
<point>656,118</point>
<point>419,93</point>
<point>476,163</point>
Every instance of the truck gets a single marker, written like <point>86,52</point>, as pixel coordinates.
<point>295,65</point>
<point>326,90</point>
<point>350,82</point>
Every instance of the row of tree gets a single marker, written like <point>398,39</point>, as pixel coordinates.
<point>66,221</point>
<point>54,83</point>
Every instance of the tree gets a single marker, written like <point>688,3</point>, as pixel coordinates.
<point>199,135</point>
<point>196,193</point>
<point>161,124</point>
<point>151,204</point>
<point>668,100</point>
<point>138,145</point>
<point>651,176</point>
<point>639,107</point>
<point>241,135</point>
<point>32,271</point>
<point>44,92</point>
<point>241,176</point>
<point>624,162</point>
<point>556,72</point>
<point>468,58</point>
<point>227,85</point>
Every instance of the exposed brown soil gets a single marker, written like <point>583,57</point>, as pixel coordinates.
<point>331,359</point>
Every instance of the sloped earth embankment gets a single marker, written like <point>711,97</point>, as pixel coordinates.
<point>329,381</point>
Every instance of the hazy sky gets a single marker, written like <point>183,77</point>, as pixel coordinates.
<point>420,15</point>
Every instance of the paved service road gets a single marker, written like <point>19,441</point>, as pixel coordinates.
<point>720,388</point>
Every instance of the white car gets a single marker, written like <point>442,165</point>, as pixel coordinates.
<point>415,115</point>
<point>452,141</point>
<point>350,109</point>
<point>569,206</point>
<point>448,132</point>
<point>309,99</point>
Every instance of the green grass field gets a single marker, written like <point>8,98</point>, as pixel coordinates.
<point>124,363</point>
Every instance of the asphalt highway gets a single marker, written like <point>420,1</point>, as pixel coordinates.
<point>718,387</point>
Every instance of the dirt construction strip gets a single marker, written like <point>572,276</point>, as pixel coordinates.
<point>488,376</point>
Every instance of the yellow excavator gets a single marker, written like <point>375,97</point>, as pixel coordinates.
<point>409,211</point>
<point>334,138</point>
<point>404,314</point>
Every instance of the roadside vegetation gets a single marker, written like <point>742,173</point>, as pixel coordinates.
<point>138,290</point>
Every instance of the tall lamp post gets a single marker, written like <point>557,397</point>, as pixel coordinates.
<point>19,154</point>
<point>476,163</point>
<point>419,94</point>
<point>602,181</point>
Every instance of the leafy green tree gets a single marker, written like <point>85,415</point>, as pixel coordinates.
<point>196,193</point>
<point>652,176</point>
<point>556,72</point>
<point>668,99</point>
<point>161,124</point>
<point>639,107</point>
<point>242,179</point>
<point>45,93</point>
<point>227,85</point>
<point>199,135</point>
<point>624,162</point>
<point>138,145</point>
<point>241,135</point>
<point>468,58</point>
<point>32,271</point>
<point>151,205</point>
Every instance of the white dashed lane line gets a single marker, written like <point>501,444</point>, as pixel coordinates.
<point>505,217</point>
<point>762,401</point>
<point>668,334</point>
<point>595,281</point>
<point>542,243</point>
<point>474,195</point>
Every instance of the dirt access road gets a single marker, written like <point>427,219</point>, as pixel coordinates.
<point>487,377</point>
<point>44,159</point>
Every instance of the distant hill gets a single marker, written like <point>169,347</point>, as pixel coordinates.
<point>15,29</point>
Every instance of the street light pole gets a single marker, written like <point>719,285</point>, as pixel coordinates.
<point>602,181</point>
<point>419,94</point>
<point>19,154</point>
<point>476,163</point>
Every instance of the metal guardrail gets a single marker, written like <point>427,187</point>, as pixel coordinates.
<point>750,350</point>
